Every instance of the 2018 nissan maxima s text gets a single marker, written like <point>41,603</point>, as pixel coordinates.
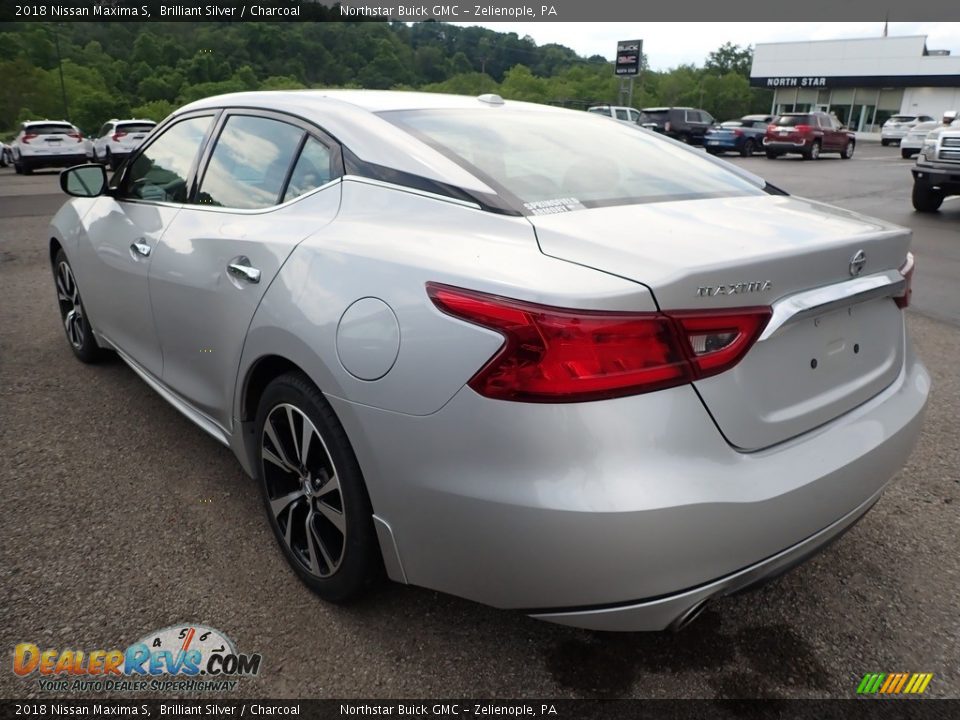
<point>519,354</point>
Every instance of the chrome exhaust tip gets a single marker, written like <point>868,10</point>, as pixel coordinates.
<point>688,616</point>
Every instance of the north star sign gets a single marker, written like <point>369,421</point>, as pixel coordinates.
<point>775,82</point>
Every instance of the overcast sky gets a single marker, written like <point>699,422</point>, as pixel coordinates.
<point>670,44</point>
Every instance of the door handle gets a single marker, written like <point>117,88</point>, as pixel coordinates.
<point>242,269</point>
<point>140,247</point>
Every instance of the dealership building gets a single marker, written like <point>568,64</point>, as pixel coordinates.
<point>863,81</point>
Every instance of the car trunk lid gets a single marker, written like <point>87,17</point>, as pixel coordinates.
<point>750,251</point>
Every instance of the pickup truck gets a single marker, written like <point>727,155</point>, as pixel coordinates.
<point>937,172</point>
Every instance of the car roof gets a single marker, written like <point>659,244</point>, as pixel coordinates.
<point>350,116</point>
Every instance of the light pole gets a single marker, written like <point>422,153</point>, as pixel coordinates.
<point>63,87</point>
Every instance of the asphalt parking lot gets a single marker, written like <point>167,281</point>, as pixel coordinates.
<point>120,517</point>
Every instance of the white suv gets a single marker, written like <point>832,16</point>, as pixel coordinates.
<point>628,115</point>
<point>47,144</point>
<point>897,127</point>
<point>118,138</point>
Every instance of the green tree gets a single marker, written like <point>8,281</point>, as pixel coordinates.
<point>730,58</point>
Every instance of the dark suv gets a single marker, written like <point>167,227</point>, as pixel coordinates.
<point>685,124</point>
<point>808,134</point>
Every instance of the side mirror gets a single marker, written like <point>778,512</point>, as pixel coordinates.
<point>84,181</point>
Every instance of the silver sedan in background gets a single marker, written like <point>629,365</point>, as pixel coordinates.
<point>515,353</point>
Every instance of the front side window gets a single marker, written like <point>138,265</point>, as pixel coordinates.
<point>249,165</point>
<point>161,171</point>
<point>544,158</point>
<point>621,114</point>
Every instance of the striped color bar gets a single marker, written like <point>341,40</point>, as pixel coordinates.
<point>894,683</point>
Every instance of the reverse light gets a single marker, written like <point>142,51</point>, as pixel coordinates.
<point>562,355</point>
<point>903,300</point>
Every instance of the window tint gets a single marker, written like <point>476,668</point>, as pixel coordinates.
<point>551,160</point>
<point>311,171</point>
<point>635,115</point>
<point>249,163</point>
<point>160,171</point>
<point>131,127</point>
<point>794,120</point>
<point>49,129</point>
<point>621,114</point>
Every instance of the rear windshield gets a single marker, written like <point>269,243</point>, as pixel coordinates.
<point>793,120</point>
<point>546,162</point>
<point>903,118</point>
<point>600,110</point>
<point>136,127</point>
<point>49,129</point>
<point>654,115</point>
<point>732,123</point>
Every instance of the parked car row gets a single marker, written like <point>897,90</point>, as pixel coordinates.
<point>58,143</point>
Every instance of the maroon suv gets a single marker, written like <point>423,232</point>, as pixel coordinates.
<point>808,134</point>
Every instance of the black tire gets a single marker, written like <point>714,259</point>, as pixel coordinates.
<point>289,402</point>
<point>907,154</point>
<point>848,150</point>
<point>813,153</point>
<point>26,169</point>
<point>76,326</point>
<point>18,168</point>
<point>771,155</point>
<point>748,149</point>
<point>926,199</point>
<point>884,142</point>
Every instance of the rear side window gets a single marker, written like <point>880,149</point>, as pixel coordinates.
<point>49,129</point>
<point>622,114</point>
<point>250,162</point>
<point>160,172</point>
<point>312,170</point>
<point>794,120</point>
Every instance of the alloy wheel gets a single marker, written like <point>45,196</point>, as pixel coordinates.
<point>71,309</point>
<point>303,490</point>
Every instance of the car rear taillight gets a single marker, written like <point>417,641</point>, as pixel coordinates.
<point>718,339</point>
<point>119,134</point>
<point>771,127</point>
<point>75,135</point>
<point>803,128</point>
<point>561,355</point>
<point>27,137</point>
<point>903,300</point>
<point>737,133</point>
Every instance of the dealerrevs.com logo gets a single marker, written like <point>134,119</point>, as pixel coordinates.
<point>179,658</point>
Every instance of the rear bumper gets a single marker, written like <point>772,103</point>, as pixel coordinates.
<point>54,161</point>
<point>676,610</point>
<point>617,515</point>
<point>893,134</point>
<point>785,145</point>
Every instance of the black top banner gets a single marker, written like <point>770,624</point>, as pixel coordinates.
<point>485,11</point>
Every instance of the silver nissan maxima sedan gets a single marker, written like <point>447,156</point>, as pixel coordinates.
<point>520,354</point>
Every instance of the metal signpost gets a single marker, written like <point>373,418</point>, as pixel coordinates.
<point>627,67</point>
